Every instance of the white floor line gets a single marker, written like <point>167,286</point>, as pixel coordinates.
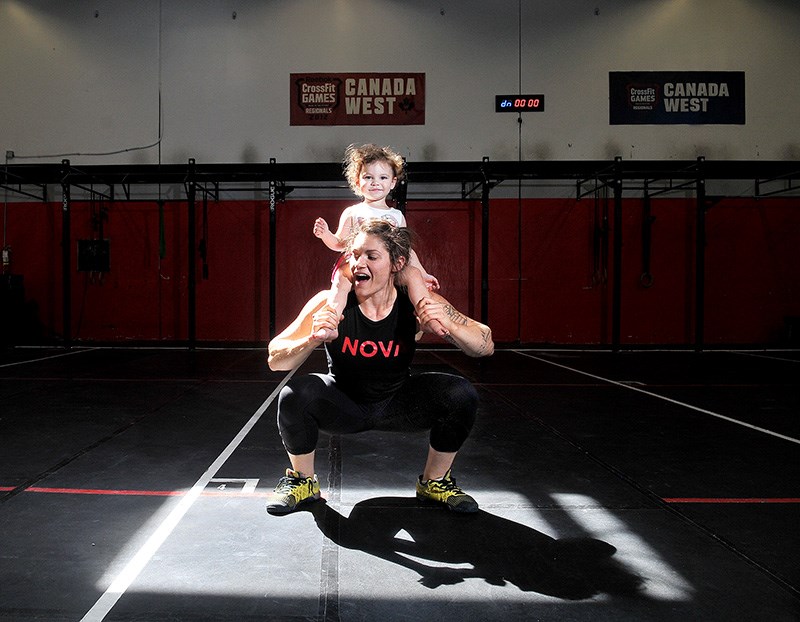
<point>760,355</point>
<point>47,358</point>
<point>661,397</point>
<point>143,556</point>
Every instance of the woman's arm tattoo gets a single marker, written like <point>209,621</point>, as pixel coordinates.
<point>485,337</point>
<point>454,315</point>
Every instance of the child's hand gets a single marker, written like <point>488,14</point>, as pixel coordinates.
<point>431,282</point>
<point>320,227</point>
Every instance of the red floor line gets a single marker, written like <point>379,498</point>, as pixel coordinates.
<point>732,500</point>
<point>221,493</point>
<point>101,491</point>
<point>130,493</point>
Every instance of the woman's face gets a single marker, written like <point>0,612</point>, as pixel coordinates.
<point>371,264</point>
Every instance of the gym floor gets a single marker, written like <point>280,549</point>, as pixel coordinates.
<point>643,485</point>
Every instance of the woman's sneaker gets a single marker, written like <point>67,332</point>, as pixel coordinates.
<point>445,491</point>
<point>293,490</point>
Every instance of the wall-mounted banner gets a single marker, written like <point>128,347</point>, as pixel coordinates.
<point>676,97</point>
<point>357,99</point>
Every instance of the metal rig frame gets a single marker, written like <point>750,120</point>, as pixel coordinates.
<point>476,178</point>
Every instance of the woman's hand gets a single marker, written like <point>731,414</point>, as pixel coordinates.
<point>473,338</point>
<point>429,309</point>
<point>324,325</point>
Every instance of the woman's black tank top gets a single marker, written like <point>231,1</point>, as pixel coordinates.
<point>371,360</point>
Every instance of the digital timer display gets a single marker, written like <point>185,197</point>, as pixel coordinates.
<point>519,103</point>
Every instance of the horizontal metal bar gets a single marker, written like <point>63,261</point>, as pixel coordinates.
<point>471,174</point>
<point>19,190</point>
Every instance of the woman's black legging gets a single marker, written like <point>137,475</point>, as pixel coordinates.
<point>443,403</point>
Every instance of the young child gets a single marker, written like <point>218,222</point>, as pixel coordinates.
<point>372,172</point>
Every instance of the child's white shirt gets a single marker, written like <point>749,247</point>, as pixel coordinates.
<point>361,212</point>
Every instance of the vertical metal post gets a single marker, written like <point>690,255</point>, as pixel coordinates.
<point>273,237</point>
<point>66,254</point>
<point>616,283</point>
<point>400,192</point>
<point>191,196</point>
<point>700,258</point>
<point>485,248</point>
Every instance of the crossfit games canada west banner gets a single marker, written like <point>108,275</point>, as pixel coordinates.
<point>676,97</point>
<point>357,99</point>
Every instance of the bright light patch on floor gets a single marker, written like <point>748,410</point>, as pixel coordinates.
<point>404,535</point>
<point>433,563</point>
<point>661,581</point>
<point>124,569</point>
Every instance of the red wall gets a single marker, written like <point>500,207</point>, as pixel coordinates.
<point>549,276</point>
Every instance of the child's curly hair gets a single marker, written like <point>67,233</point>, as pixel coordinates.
<point>356,157</point>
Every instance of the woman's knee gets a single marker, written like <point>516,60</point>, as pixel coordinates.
<point>462,397</point>
<point>295,399</point>
<point>460,405</point>
<point>302,389</point>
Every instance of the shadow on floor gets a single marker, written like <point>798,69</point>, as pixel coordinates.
<point>498,550</point>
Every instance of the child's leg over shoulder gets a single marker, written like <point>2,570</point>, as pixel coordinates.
<point>337,299</point>
<point>412,278</point>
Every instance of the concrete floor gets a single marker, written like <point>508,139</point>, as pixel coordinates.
<point>613,486</point>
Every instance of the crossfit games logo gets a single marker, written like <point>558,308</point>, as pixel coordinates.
<point>318,96</point>
<point>642,96</point>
